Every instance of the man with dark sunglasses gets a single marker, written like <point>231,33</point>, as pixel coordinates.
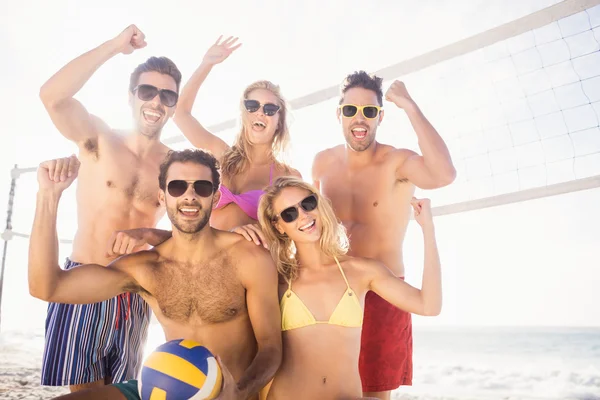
<point>370,186</point>
<point>203,284</point>
<point>116,191</point>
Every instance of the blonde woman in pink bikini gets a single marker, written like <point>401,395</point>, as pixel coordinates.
<point>246,167</point>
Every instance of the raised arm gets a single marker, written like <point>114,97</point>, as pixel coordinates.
<point>68,115</point>
<point>428,300</point>
<point>192,129</point>
<point>434,168</point>
<point>259,278</point>
<point>47,281</point>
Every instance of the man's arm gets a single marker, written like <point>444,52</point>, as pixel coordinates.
<point>69,116</point>
<point>191,128</point>
<point>434,168</point>
<point>260,281</point>
<point>427,300</point>
<point>47,281</point>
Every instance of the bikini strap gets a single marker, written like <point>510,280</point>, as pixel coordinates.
<point>342,271</point>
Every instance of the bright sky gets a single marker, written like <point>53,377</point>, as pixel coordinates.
<point>501,266</point>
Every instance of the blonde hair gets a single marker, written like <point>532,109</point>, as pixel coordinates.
<point>235,160</point>
<point>333,241</point>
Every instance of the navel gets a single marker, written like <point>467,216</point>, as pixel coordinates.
<point>375,204</point>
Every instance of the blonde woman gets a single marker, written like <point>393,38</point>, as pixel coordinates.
<point>251,164</point>
<point>322,290</point>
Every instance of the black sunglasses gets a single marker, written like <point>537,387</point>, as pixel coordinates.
<point>148,92</point>
<point>253,106</point>
<point>177,188</point>
<point>290,214</point>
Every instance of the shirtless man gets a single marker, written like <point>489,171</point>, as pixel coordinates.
<point>117,190</point>
<point>370,186</point>
<point>206,285</point>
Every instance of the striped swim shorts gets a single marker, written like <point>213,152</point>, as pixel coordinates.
<point>89,342</point>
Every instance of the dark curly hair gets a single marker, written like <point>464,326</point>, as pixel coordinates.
<point>363,80</point>
<point>162,65</point>
<point>195,156</point>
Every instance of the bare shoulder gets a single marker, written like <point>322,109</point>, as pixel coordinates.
<point>362,266</point>
<point>257,267</point>
<point>161,152</point>
<point>329,154</point>
<point>252,262</point>
<point>326,157</point>
<point>163,149</point>
<point>397,156</point>
<point>238,246</point>
<point>286,170</point>
<point>251,253</point>
<point>227,240</point>
<point>351,262</point>
<point>295,172</point>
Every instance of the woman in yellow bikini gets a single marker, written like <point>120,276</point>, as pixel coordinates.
<point>322,290</point>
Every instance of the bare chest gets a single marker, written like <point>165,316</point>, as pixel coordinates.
<point>113,170</point>
<point>363,195</point>
<point>206,293</point>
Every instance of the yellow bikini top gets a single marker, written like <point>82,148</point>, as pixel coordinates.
<point>295,314</point>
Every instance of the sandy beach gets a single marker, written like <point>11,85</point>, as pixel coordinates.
<point>449,364</point>
<point>20,367</point>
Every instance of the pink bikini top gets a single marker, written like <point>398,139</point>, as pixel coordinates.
<point>247,201</point>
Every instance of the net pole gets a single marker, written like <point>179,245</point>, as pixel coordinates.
<point>8,231</point>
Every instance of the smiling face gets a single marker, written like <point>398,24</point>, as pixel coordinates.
<point>359,131</point>
<point>189,212</point>
<point>150,116</point>
<point>292,214</point>
<point>261,128</point>
<point>301,220</point>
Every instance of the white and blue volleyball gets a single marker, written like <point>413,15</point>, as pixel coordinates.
<point>180,370</point>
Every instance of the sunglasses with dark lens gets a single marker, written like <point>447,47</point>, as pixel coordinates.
<point>253,106</point>
<point>177,188</point>
<point>290,214</point>
<point>147,92</point>
<point>369,112</point>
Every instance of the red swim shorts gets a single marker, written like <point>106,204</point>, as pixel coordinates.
<point>385,361</point>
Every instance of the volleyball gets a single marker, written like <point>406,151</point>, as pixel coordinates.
<point>180,369</point>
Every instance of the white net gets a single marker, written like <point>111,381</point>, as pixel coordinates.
<point>520,115</point>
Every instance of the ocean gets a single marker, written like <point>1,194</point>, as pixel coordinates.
<point>507,363</point>
<point>450,363</point>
